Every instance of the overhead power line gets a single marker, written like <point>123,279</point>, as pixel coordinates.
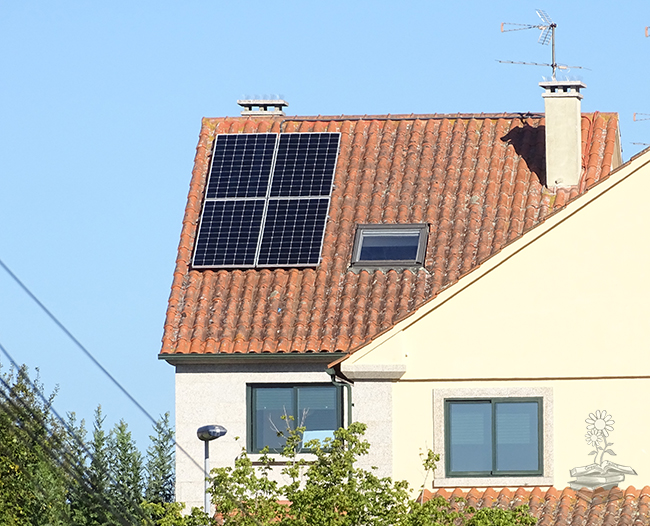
<point>75,341</point>
<point>69,463</point>
<point>88,354</point>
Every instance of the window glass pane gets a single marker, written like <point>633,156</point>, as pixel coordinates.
<point>270,405</point>
<point>377,247</point>
<point>317,411</point>
<point>517,436</point>
<point>470,436</point>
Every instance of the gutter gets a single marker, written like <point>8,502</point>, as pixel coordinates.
<point>178,359</point>
<point>338,379</point>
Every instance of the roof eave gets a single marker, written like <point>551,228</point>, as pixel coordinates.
<point>191,359</point>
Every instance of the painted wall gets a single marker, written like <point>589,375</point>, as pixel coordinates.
<point>565,308</point>
<point>216,394</point>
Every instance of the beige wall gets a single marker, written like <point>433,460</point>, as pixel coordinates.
<point>572,402</point>
<point>564,308</point>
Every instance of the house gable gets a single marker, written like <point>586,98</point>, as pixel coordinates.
<point>587,258</point>
<point>559,314</point>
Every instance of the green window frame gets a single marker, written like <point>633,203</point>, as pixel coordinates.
<point>317,407</point>
<point>494,437</point>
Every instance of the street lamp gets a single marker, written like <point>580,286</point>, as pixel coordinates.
<point>207,433</point>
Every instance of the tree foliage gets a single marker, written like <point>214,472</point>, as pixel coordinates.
<point>33,483</point>
<point>327,488</point>
<point>51,474</point>
<point>160,463</point>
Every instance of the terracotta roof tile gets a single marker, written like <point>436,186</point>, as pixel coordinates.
<point>567,507</point>
<point>476,180</point>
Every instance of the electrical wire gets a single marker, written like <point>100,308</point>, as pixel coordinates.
<point>69,464</point>
<point>98,364</point>
<point>76,342</point>
<point>88,354</point>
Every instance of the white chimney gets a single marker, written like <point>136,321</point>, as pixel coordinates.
<point>263,107</point>
<point>563,132</point>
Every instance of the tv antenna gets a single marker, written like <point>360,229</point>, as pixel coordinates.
<point>547,28</point>
<point>641,117</point>
<point>647,31</point>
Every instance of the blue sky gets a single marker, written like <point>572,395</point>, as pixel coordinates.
<point>100,112</point>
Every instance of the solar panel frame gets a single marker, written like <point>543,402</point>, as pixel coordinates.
<point>241,165</point>
<point>304,165</point>
<point>293,232</point>
<point>226,238</point>
<point>301,195</point>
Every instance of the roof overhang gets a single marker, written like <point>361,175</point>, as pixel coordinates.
<point>191,359</point>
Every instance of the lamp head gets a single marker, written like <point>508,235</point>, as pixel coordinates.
<point>210,432</point>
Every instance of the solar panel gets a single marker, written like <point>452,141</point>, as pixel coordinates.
<point>267,199</point>
<point>293,232</point>
<point>305,164</point>
<point>229,233</point>
<point>241,165</point>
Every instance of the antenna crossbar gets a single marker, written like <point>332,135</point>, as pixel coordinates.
<point>520,27</point>
<point>547,36</point>
<point>641,117</point>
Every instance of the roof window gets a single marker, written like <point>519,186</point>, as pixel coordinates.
<point>390,245</point>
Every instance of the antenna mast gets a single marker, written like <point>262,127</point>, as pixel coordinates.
<point>641,117</point>
<point>547,35</point>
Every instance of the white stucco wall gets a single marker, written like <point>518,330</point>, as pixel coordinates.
<point>216,394</point>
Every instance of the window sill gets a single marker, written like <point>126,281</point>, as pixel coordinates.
<point>278,459</point>
<point>471,482</point>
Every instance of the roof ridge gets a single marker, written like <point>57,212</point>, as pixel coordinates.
<point>397,116</point>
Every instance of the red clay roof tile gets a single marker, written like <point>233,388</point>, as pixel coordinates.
<point>552,507</point>
<point>476,180</point>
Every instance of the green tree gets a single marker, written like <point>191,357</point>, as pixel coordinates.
<point>51,475</point>
<point>76,461</point>
<point>160,463</point>
<point>100,506</point>
<point>33,481</point>
<point>125,468</point>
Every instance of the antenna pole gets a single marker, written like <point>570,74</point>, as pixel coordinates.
<point>553,63</point>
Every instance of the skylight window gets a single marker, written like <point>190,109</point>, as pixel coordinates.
<point>390,245</point>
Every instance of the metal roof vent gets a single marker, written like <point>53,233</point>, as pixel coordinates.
<point>262,107</point>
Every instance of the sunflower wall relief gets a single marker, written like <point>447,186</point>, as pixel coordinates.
<point>602,473</point>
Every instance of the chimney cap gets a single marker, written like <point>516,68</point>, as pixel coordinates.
<point>562,88</point>
<point>263,107</point>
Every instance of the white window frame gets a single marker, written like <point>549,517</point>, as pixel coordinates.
<point>440,395</point>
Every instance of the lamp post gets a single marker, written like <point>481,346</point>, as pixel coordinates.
<point>207,433</point>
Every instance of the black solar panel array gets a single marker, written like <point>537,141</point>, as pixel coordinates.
<point>267,199</point>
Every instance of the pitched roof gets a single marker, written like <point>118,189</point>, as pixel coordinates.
<point>553,507</point>
<point>477,180</point>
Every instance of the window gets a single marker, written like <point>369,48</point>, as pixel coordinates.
<point>493,437</point>
<point>317,407</point>
<point>390,245</point>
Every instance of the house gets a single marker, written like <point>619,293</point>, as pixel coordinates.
<point>471,283</point>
